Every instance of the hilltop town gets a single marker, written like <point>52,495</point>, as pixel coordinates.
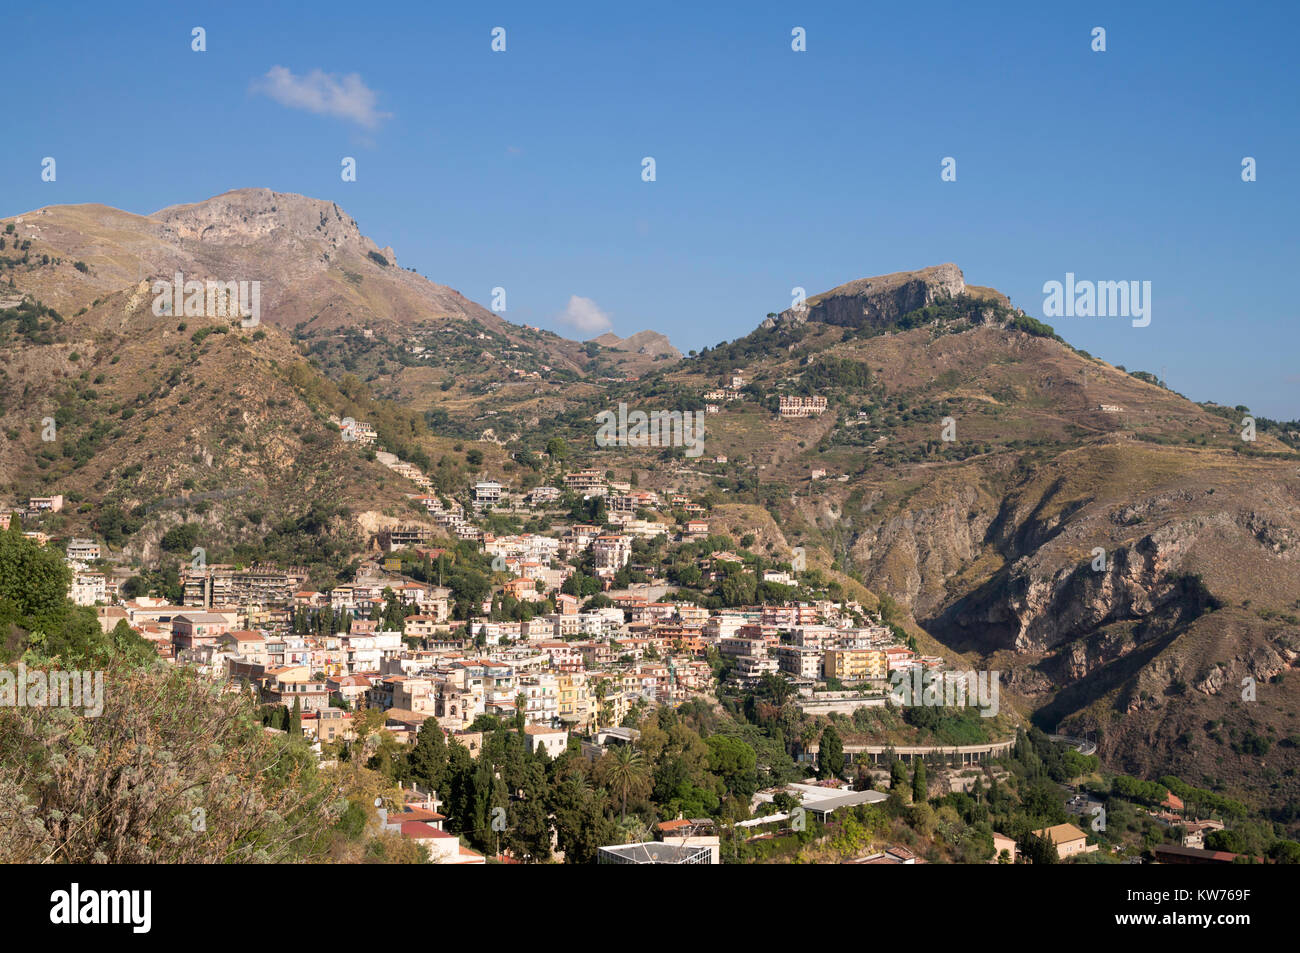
<point>580,615</point>
<point>899,574</point>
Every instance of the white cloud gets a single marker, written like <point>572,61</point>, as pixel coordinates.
<point>326,94</point>
<point>584,315</point>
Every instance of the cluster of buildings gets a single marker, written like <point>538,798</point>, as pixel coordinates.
<point>572,669</point>
<point>88,586</point>
<point>244,622</point>
<point>788,407</point>
<point>729,391</point>
<point>36,506</point>
<point>565,672</point>
<point>453,672</point>
<point>809,643</point>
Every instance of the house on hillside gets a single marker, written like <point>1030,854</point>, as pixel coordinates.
<point>1069,840</point>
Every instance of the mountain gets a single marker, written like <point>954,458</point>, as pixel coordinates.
<point>159,418</point>
<point>319,275</point>
<point>313,263</point>
<point>640,352</point>
<point>876,302</point>
<point>1119,552</point>
<point>991,538</point>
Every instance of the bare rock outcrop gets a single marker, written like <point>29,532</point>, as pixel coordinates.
<point>879,301</point>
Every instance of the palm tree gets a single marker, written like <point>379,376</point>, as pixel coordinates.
<point>601,689</point>
<point>625,771</point>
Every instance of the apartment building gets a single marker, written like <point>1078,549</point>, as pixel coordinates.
<point>88,588</point>
<point>854,664</point>
<point>798,660</point>
<point>404,537</point>
<point>801,406</point>
<point>589,482</point>
<point>191,629</point>
<point>551,740</point>
<point>735,645</point>
<point>749,668</point>
<point>83,550</point>
<point>576,701</point>
<point>487,493</point>
<point>611,553</point>
<point>541,495</point>
<point>578,537</point>
<point>295,684</point>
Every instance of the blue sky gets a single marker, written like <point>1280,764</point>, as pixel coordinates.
<point>775,168</point>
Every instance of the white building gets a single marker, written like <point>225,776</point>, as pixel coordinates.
<point>83,550</point>
<point>612,553</point>
<point>552,740</point>
<point>88,588</point>
<point>487,492</point>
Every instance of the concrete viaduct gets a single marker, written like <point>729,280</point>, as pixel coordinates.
<point>967,754</point>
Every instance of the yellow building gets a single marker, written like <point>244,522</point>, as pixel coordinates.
<point>577,703</point>
<point>854,664</point>
<point>617,705</point>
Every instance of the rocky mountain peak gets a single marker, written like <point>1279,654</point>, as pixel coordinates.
<point>253,215</point>
<point>877,301</point>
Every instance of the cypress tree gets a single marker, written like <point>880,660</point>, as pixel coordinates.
<point>830,756</point>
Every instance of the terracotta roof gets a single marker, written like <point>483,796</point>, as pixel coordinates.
<point>352,681</point>
<point>419,830</point>
<point>1061,833</point>
<point>420,814</point>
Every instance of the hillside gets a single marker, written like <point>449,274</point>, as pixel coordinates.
<point>156,422</point>
<point>164,416</point>
<point>990,538</point>
<point>338,293</point>
<point>969,465</point>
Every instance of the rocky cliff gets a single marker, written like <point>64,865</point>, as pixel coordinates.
<point>877,301</point>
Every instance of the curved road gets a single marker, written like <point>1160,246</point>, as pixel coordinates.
<point>1078,744</point>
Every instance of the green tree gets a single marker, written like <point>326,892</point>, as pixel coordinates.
<point>897,774</point>
<point>427,760</point>
<point>528,831</point>
<point>394,615</point>
<point>1038,850</point>
<point>734,762</point>
<point>830,756</point>
<point>37,617</point>
<point>625,772</point>
<point>581,826</point>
